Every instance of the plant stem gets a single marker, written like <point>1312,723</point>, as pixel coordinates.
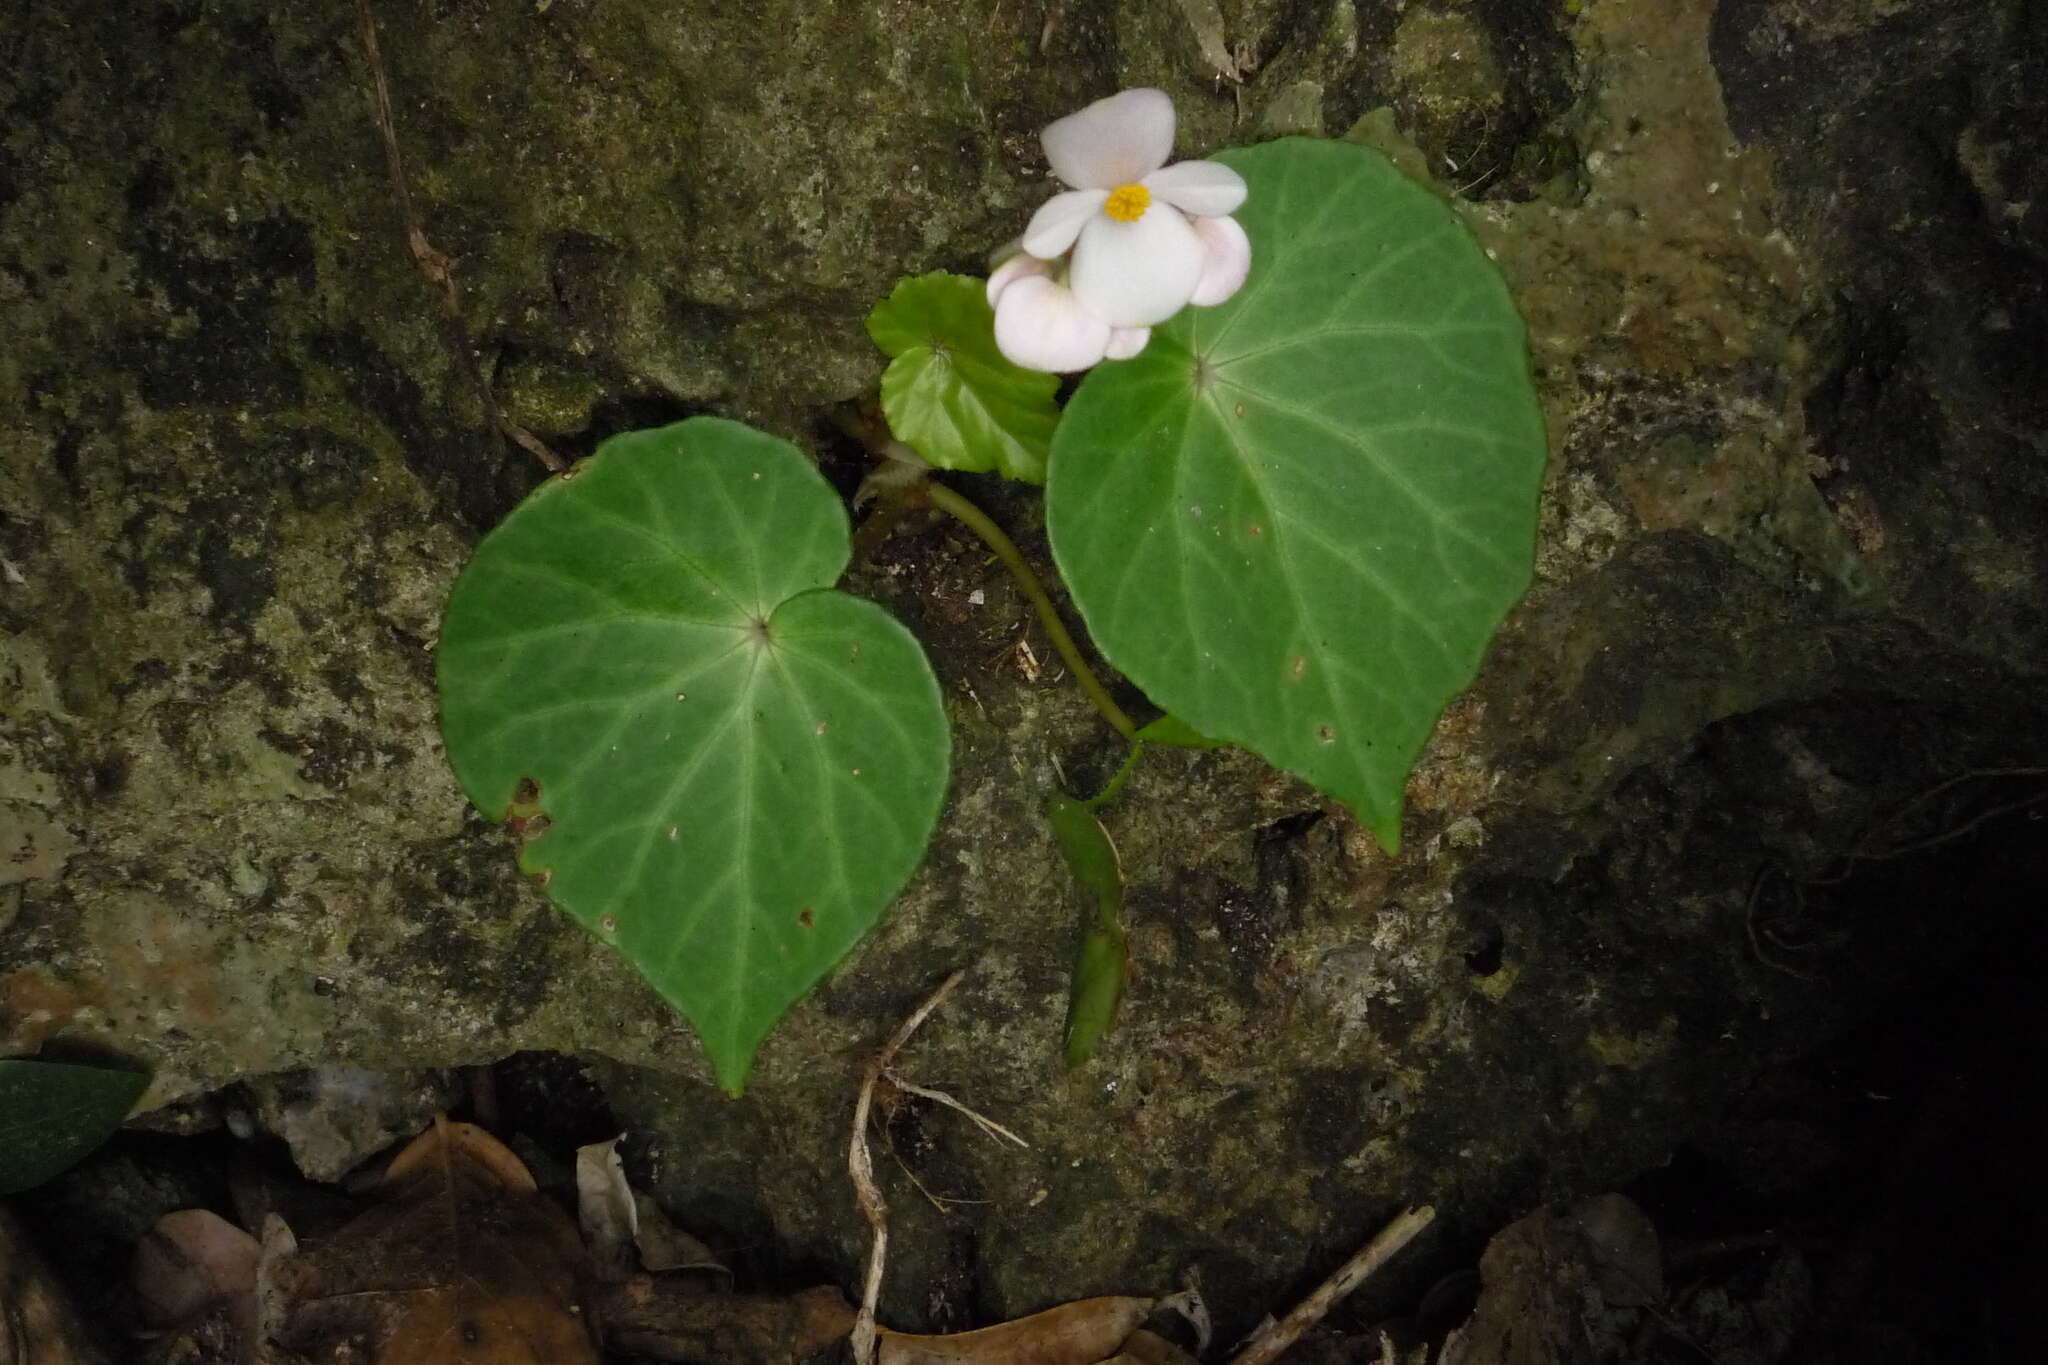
<point>1118,778</point>
<point>976,520</point>
<point>437,268</point>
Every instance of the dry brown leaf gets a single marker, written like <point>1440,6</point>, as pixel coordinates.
<point>1626,1254</point>
<point>1149,1348</point>
<point>451,1327</point>
<point>460,1142</point>
<point>664,1246</point>
<point>1544,1280</point>
<point>605,1209</point>
<point>463,1263</point>
<point>669,1317</point>
<point>1084,1332</point>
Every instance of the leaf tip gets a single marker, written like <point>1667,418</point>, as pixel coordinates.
<point>1386,829</point>
<point>732,1061</point>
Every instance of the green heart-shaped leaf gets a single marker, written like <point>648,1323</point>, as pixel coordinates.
<point>1296,519</point>
<point>721,767</point>
<point>948,393</point>
<point>53,1113</point>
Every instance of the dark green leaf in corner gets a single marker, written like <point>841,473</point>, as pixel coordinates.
<point>717,764</point>
<point>53,1113</point>
<point>1295,520</point>
<point>948,393</point>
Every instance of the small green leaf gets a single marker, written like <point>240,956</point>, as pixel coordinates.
<point>1103,965</point>
<point>1101,972</point>
<point>1295,520</point>
<point>714,762</point>
<point>1089,854</point>
<point>53,1113</point>
<point>948,393</point>
<point>1171,729</point>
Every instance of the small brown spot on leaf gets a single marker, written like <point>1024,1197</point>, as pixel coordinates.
<point>523,816</point>
<point>1239,409</point>
<point>607,924</point>
<point>1298,667</point>
<point>1256,531</point>
<point>1326,734</point>
<point>821,727</point>
<point>803,917</point>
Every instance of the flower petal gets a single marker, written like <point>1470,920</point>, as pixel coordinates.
<point>1226,260</point>
<point>1059,221</point>
<point>1042,326</point>
<point>1125,342</point>
<point>1201,189</point>
<point>1023,265</point>
<point>1113,141</point>
<point>1137,274</point>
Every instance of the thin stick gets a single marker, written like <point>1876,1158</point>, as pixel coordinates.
<point>860,1165</point>
<point>436,267</point>
<point>981,1121</point>
<point>977,521</point>
<point>1271,1340</point>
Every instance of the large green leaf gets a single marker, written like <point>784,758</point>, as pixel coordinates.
<point>721,767</point>
<point>1295,520</point>
<point>948,393</point>
<point>53,1113</point>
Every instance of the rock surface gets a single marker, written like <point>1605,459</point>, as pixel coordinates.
<point>1781,261</point>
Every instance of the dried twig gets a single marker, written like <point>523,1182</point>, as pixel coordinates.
<point>437,268</point>
<point>860,1165</point>
<point>1271,1340</point>
<point>981,1121</point>
<point>1887,839</point>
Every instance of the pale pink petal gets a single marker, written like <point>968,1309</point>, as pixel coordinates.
<point>1114,141</point>
<point>1226,260</point>
<point>1059,221</point>
<point>1137,274</point>
<point>1125,342</point>
<point>1201,189</point>
<point>1021,266</point>
<point>1040,325</point>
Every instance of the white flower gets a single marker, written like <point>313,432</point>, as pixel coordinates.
<point>1131,244</point>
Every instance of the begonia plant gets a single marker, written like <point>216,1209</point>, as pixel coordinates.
<point>1291,499</point>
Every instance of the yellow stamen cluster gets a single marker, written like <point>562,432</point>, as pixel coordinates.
<point>1127,203</point>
